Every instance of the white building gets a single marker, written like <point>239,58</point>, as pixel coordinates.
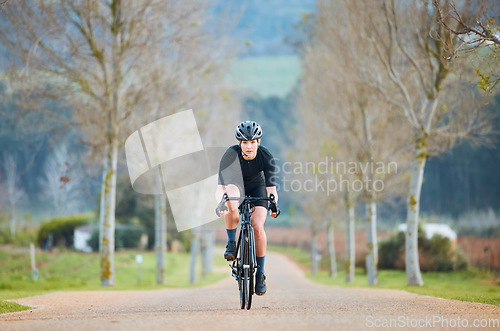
<point>81,236</point>
<point>435,228</point>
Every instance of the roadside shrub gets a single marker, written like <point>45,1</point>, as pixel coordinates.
<point>5,237</point>
<point>435,254</point>
<point>126,236</point>
<point>391,251</point>
<point>23,237</point>
<point>183,237</point>
<point>62,229</point>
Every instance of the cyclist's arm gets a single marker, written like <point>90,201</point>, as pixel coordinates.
<point>272,189</point>
<point>221,189</point>
<point>232,191</point>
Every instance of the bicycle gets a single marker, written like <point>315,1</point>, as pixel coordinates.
<point>244,266</point>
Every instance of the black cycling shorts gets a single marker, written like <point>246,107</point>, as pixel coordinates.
<point>257,191</point>
<point>254,191</point>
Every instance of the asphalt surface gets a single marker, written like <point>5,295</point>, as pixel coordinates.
<point>292,302</point>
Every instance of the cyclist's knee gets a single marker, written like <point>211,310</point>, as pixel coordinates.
<point>232,190</point>
<point>259,218</point>
<point>259,229</point>
<point>258,225</point>
<point>232,206</point>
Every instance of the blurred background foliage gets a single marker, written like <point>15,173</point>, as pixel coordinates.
<point>460,187</point>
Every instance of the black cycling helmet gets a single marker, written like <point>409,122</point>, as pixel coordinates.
<point>248,130</point>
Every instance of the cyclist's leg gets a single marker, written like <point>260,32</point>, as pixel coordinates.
<point>231,221</point>
<point>232,217</point>
<point>258,220</point>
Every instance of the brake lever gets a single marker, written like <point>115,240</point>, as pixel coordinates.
<point>222,206</point>
<point>273,205</point>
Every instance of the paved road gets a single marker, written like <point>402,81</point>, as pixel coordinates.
<point>292,303</point>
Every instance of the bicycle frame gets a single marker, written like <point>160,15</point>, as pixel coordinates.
<point>244,266</point>
<point>246,227</point>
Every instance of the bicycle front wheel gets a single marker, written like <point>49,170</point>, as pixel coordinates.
<point>246,283</point>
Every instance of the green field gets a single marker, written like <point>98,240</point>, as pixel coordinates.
<point>472,285</point>
<point>72,271</point>
<point>266,75</point>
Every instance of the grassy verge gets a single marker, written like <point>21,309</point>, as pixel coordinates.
<point>72,271</point>
<point>10,307</point>
<point>471,285</point>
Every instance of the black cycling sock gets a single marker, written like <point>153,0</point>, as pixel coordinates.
<point>260,261</point>
<point>231,234</point>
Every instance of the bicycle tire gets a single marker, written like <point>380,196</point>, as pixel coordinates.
<point>243,275</point>
<point>247,283</point>
<point>242,291</point>
<point>249,276</point>
<point>251,270</point>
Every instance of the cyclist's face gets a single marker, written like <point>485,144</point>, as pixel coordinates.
<point>249,147</point>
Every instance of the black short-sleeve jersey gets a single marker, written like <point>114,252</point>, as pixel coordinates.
<point>259,171</point>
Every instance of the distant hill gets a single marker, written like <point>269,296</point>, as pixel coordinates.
<point>264,25</point>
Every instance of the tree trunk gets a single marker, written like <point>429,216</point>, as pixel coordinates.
<point>195,247</point>
<point>314,253</point>
<point>371,243</point>
<point>12,221</point>
<point>350,252</point>
<point>330,238</point>
<point>160,237</point>
<point>413,274</point>
<point>207,243</point>
<point>107,216</point>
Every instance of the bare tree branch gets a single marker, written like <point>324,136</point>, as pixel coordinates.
<point>3,3</point>
<point>482,32</point>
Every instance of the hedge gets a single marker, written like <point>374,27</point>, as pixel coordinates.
<point>62,229</point>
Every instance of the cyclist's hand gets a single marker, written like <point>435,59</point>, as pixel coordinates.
<point>222,212</point>
<point>222,209</point>
<point>274,211</point>
<point>274,214</point>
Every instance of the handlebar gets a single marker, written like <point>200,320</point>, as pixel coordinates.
<point>273,204</point>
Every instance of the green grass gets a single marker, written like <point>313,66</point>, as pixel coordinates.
<point>266,75</point>
<point>10,307</point>
<point>72,271</point>
<point>469,285</point>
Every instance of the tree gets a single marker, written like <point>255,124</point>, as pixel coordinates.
<point>361,128</point>
<point>13,192</point>
<point>415,74</point>
<point>116,64</point>
<point>325,123</point>
<point>473,23</point>
<point>475,26</point>
<point>160,237</point>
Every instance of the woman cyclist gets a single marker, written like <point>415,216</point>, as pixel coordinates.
<point>248,169</point>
